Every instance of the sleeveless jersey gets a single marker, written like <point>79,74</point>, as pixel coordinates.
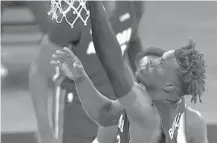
<point>123,135</point>
<point>176,132</point>
<point>122,23</point>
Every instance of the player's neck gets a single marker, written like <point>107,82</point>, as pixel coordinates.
<point>163,105</point>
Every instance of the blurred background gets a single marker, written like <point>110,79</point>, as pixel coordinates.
<point>165,24</point>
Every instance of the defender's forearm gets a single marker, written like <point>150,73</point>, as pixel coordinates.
<point>108,50</point>
<point>97,106</point>
<point>134,47</point>
<point>38,85</point>
<point>40,74</point>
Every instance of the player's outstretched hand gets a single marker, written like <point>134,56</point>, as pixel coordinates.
<point>68,63</point>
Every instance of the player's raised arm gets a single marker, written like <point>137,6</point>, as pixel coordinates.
<point>135,102</point>
<point>134,46</point>
<point>108,49</point>
<point>102,110</point>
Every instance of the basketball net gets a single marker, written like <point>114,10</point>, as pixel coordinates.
<point>77,7</point>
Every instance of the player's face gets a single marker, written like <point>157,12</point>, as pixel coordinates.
<point>157,72</point>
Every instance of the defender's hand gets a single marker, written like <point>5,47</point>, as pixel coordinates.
<point>68,63</point>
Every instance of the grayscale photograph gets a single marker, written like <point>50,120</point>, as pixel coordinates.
<point>108,71</point>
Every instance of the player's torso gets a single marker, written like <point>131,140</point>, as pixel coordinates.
<point>173,123</point>
<point>129,131</point>
<point>122,23</point>
<point>177,131</point>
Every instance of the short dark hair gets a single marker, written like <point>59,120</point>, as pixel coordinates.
<point>191,73</point>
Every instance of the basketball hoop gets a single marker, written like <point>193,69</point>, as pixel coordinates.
<point>77,7</point>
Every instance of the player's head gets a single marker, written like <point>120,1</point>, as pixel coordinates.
<point>173,73</point>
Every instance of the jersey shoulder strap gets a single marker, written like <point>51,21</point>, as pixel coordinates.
<point>181,135</point>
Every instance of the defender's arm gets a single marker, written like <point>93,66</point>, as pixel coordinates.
<point>135,45</point>
<point>39,76</point>
<point>136,103</point>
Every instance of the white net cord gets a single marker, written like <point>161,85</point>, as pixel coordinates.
<point>56,6</point>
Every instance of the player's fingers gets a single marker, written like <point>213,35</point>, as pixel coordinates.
<point>56,63</point>
<point>61,54</point>
<point>69,52</point>
<point>59,57</point>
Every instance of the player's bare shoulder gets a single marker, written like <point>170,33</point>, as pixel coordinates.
<point>192,115</point>
<point>195,126</point>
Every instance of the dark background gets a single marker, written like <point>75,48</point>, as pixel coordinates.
<point>165,24</point>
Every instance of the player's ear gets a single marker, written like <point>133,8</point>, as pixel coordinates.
<point>169,87</point>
